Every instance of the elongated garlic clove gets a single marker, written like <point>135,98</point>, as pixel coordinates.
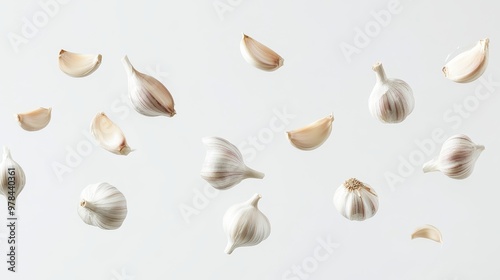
<point>78,65</point>
<point>149,96</point>
<point>457,157</point>
<point>428,232</point>
<point>469,65</point>
<point>102,205</point>
<point>12,178</point>
<point>223,167</point>
<point>259,55</point>
<point>313,135</point>
<point>34,120</point>
<point>245,225</point>
<point>355,200</point>
<point>109,135</point>
<point>391,100</point>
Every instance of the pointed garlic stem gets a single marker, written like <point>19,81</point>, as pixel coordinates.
<point>229,248</point>
<point>87,205</point>
<point>379,70</point>
<point>251,173</point>
<point>431,166</point>
<point>128,66</point>
<point>254,201</point>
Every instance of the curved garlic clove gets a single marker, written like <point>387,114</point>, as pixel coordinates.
<point>245,225</point>
<point>259,55</point>
<point>428,232</point>
<point>457,157</point>
<point>311,136</point>
<point>78,65</point>
<point>391,100</point>
<point>109,135</point>
<point>469,65</point>
<point>102,205</point>
<point>355,200</point>
<point>149,96</point>
<point>11,171</point>
<point>223,167</point>
<point>34,120</point>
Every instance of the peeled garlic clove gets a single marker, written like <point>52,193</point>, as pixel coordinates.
<point>102,205</point>
<point>469,65</point>
<point>311,136</point>
<point>109,135</point>
<point>259,55</point>
<point>34,120</point>
<point>428,232</point>
<point>149,96</point>
<point>457,157</point>
<point>11,171</point>
<point>355,200</point>
<point>245,225</point>
<point>391,100</point>
<point>78,65</point>
<point>223,167</point>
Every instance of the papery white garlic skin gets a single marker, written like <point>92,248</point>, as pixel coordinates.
<point>223,167</point>
<point>149,96</point>
<point>457,157</point>
<point>259,55</point>
<point>428,232</point>
<point>245,225</point>
<point>391,100</point>
<point>102,205</point>
<point>9,168</point>
<point>311,136</point>
<point>34,120</point>
<point>356,200</point>
<point>468,65</point>
<point>78,65</point>
<point>109,135</point>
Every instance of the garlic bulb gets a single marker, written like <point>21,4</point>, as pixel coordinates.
<point>109,135</point>
<point>428,232</point>
<point>356,200</point>
<point>245,225</point>
<point>457,157</point>
<point>311,136</point>
<point>469,65</point>
<point>223,167</point>
<point>78,65</point>
<point>149,96</point>
<point>259,55</point>
<point>34,120</point>
<point>12,178</point>
<point>102,205</point>
<point>391,100</point>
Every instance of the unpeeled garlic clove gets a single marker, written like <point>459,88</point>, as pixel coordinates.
<point>34,120</point>
<point>428,232</point>
<point>468,65</point>
<point>311,136</point>
<point>223,167</point>
<point>457,157</point>
<point>245,225</point>
<point>149,96</point>
<point>109,135</point>
<point>356,200</point>
<point>78,65</point>
<point>259,55</point>
<point>11,171</point>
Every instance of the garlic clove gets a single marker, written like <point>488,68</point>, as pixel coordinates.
<point>102,205</point>
<point>245,225</point>
<point>9,168</point>
<point>428,232</point>
<point>149,96</point>
<point>356,200</point>
<point>259,55</point>
<point>34,120</point>
<point>223,167</point>
<point>109,135</point>
<point>469,65</point>
<point>311,136</point>
<point>78,65</point>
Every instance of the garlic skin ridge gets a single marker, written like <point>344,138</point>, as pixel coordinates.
<point>78,65</point>
<point>34,120</point>
<point>19,176</point>
<point>259,55</point>
<point>468,65</point>
<point>109,135</point>
<point>356,200</point>
<point>311,136</point>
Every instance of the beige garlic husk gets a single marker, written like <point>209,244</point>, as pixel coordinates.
<point>109,135</point>
<point>457,157</point>
<point>245,224</point>
<point>149,96</point>
<point>468,65</point>
<point>34,120</point>
<point>78,65</point>
<point>12,177</point>
<point>391,100</point>
<point>356,200</point>
<point>102,205</point>
<point>223,167</point>
<point>311,136</point>
<point>259,55</point>
<point>428,232</point>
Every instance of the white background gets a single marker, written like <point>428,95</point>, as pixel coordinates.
<point>195,52</point>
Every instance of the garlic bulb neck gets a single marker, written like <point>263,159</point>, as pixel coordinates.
<point>128,66</point>
<point>254,201</point>
<point>6,152</point>
<point>87,204</point>
<point>380,73</point>
<point>251,173</point>
<point>431,166</point>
